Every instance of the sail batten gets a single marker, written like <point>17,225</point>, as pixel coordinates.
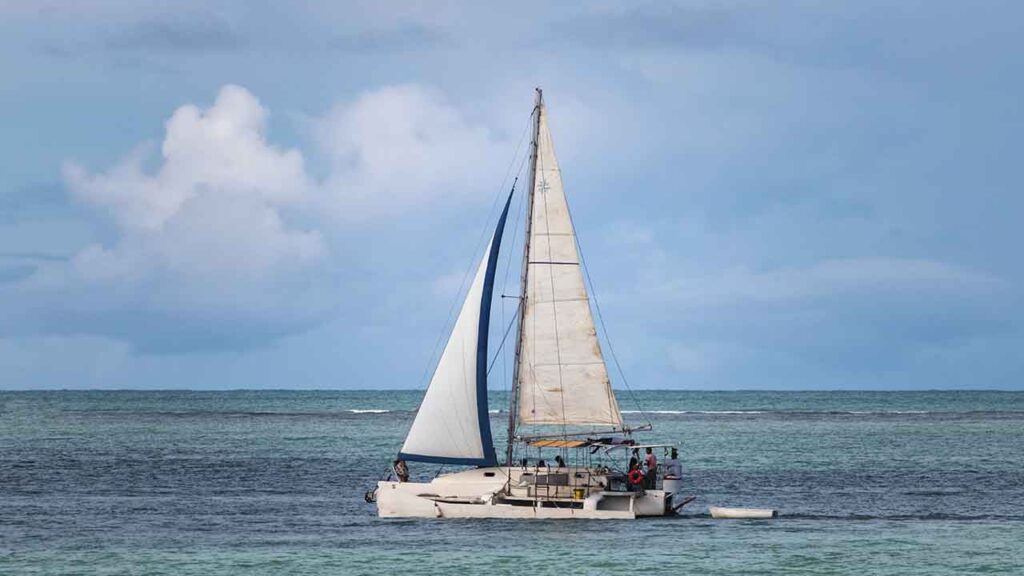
<point>562,376</point>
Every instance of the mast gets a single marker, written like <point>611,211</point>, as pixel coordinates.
<point>514,396</point>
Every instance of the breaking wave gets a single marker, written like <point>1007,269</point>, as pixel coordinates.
<point>829,412</point>
<point>693,411</point>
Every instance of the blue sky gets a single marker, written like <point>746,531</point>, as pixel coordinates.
<point>286,195</point>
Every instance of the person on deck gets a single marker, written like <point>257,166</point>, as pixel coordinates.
<point>673,467</point>
<point>635,476</point>
<point>559,462</point>
<point>401,470</point>
<point>651,477</point>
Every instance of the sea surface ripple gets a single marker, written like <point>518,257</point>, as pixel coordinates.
<point>272,482</point>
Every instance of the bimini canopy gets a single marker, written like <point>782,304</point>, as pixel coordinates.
<point>559,443</point>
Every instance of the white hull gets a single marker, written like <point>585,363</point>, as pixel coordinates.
<point>483,493</point>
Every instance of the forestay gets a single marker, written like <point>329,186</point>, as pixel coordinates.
<point>452,425</point>
<point>563,379</point>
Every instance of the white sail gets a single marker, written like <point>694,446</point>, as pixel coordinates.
<point>559,379</point>
<point>563,379</point>
<point>451,425</point>
<point>447,424</point>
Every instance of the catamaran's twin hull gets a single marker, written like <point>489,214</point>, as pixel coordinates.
<point>482,493</point>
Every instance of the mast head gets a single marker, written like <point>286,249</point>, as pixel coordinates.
<point>540,96</point>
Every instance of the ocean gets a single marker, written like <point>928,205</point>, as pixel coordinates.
<point>272,482</point>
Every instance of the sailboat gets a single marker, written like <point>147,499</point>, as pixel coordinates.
<point>586,461</point>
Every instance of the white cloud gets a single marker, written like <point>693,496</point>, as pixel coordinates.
<point>210,210</point>
<point>402,147</point>
<point>203,253</point>
<point>218,151</point>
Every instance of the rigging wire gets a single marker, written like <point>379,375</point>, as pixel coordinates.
<point>604,330</point>
<point>597,306</point>
<point>600,316</point>
<point>446,327</point>
<point>507,383</point>
<point>501,346</point>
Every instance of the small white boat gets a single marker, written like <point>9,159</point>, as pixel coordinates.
<point>742,513</point>
<point>560,388</point>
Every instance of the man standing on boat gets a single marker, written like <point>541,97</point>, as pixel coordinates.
<point>651,477</point>
<point>673,467</point>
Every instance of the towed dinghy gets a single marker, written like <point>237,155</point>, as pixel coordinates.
<point>742,513</point>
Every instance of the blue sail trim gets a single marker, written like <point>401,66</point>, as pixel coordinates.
<point>446,460</point>
<point>481,340</point>
<point>486,441</point>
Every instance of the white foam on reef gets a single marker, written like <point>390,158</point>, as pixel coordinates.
<point>808,412</point>
<point>888,412</point>
<point>693,411</point>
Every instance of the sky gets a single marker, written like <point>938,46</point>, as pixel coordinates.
<point>768,195</point>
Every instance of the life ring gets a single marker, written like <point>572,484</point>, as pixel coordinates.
<point>635,477</point>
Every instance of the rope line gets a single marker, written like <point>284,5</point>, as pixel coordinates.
<point>446,327</point>
<point>604,330</point>
<point>501,346</point>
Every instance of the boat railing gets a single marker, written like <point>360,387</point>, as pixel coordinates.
<point>564,485</point>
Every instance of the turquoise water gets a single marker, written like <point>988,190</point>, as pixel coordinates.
<point>271,483</point>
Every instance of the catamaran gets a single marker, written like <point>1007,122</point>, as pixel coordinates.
<point>594,465</point>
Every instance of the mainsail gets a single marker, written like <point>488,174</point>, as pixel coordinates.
<point>562,377</point>
<point>452,425</point>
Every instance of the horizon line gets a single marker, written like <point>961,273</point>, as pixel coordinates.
<point>627,391</point>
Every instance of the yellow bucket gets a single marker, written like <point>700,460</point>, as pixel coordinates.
<point>579,493</point>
